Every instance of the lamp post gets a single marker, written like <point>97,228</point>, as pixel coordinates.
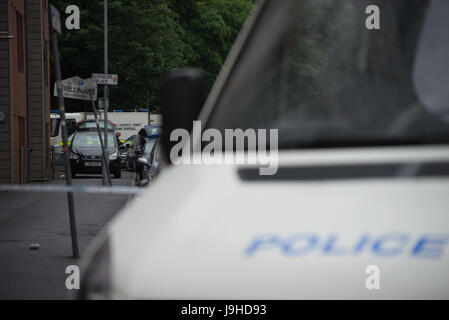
<point>106,88</point>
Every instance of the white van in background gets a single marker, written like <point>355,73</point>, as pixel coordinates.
<point>55,126</point>
<point>129,123</point>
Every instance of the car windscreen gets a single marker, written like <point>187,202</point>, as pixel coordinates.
<point>329,73</point>
<point>91,140</point>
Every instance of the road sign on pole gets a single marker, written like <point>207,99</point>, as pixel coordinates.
<point>103,78</point>
<point>106,177</point>
<point>55,19</point>
<point>106,88</point>
<point>68,171</point>
<point>77,88</point>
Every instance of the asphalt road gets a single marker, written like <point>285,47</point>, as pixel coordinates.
<point>43,218</point>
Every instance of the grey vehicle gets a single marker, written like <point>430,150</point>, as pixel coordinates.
<point>148,164</point>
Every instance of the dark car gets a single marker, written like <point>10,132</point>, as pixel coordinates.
<point>148,163</point>
<point>86,153</point>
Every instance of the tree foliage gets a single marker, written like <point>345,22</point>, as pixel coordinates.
<point>146,39</point>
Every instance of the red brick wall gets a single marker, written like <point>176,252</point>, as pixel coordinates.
<point>19,88</point>
<point>47,82</point>
<point>15,131</point>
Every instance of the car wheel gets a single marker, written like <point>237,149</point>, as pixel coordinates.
<point>117,174</point>
<point>73,175</point>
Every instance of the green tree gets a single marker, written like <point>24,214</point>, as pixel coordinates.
<point>146,39</point>
<point>211,31</point>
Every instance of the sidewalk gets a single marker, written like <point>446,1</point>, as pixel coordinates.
<point>41,218</point>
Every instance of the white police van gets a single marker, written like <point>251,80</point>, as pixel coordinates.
<point>359,205</point>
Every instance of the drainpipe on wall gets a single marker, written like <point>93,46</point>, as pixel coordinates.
<point>28,157</point>
<point>11,100</point>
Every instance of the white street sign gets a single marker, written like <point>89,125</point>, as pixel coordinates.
<point>77,88</point>
<point>102,78</point>
<point>55,19</point>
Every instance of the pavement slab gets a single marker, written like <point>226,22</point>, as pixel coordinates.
<point>43,218</point>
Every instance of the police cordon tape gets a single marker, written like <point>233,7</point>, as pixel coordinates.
<point>73,189</point>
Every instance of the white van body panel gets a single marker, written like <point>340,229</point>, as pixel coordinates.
<point>204,243</point>
<point>128,123</point>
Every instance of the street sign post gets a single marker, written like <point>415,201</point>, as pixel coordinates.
<point>106,176</point>
<point>106,87</point>
<point>55,19</point>
<point>56,27</point>
<point>103,78</point>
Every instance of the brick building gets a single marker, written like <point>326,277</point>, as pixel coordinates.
<point>24,90</point>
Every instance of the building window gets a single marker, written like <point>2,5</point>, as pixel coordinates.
<point>20,43</point>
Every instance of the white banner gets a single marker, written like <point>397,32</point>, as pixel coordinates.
<point>77,88</point>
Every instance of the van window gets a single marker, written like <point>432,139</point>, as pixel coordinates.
<point>54,124</point>
<point>324,79</point>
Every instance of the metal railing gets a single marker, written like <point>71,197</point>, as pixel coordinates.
<point>74,189</point>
